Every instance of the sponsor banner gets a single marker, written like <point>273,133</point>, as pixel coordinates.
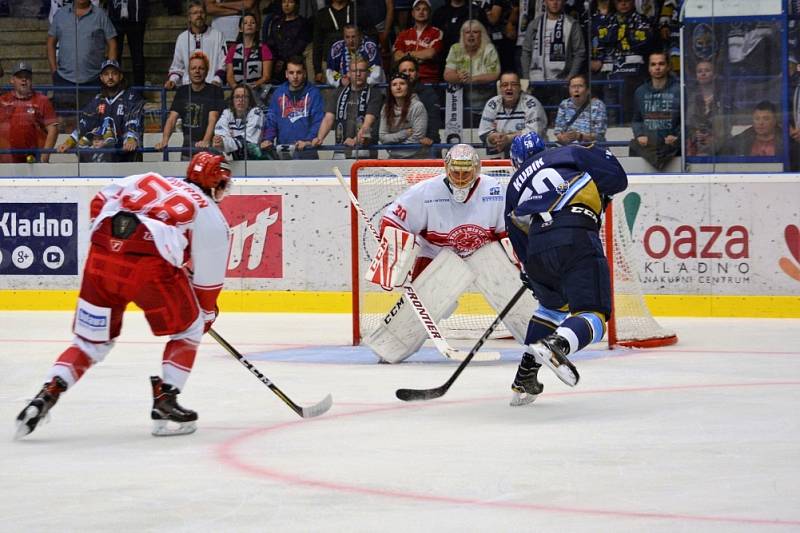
<point>715,238</point>
<point>39,239</point>
<point>256,223</point>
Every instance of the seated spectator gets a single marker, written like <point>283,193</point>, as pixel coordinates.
<point>82,48</point>
<point>553,49</point>
<point>408,65</point>
<point>238,130</point>
<point>294,115</point>
<point>708,119</point>
<point>473,61</point>
<point>287,35</point>
<point>342,52</point>
<point>657,114</point>
<point>112,119</point>
<point>581,118</point>
<point>509,115</point>
<point>130,19</point>
<point>353,112</point>
<point>249,60</point>
<point>27,118</point>
<point>199,37</point>
<point>421,41</point>
<point>328,25</point>
<point>198,105</point>
<point>763,139</point>
<point>226,15</point>
<point>403,119</point>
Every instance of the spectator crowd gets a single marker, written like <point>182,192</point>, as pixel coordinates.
<point>383,74</point>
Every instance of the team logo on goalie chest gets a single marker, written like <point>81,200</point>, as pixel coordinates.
<point>467,238</point>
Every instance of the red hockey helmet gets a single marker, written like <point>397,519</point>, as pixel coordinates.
<point>211,172</point>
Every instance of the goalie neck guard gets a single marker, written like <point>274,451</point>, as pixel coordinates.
<point>462,166</point>
<point>211,172</point>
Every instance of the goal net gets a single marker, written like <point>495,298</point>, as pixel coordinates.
<point>376,183</point>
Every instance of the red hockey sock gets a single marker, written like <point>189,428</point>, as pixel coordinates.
<point>76,361</point>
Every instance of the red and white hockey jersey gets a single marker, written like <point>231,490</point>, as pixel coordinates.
<point>428,210</point>
<point>183,222</point>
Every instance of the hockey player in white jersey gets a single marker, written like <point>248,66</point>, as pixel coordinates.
<point>145,228</point>
<point>438,226</point>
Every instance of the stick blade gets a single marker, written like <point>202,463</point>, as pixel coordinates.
<point>418,395</point>
<point>458,355</point>
<point>317,409</point>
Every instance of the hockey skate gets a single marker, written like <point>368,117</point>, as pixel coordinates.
<point>552,351</point>
<point>526,386</point>
<point>166,410</point>
<point>37,409</point>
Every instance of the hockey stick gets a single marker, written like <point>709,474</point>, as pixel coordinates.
<point>411,395</point>
<point>421,312</point>
<point>305,412</point>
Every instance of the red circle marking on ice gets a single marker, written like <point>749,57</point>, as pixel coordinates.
<point>226,453</point>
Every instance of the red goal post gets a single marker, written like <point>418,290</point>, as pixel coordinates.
<point>376,183</point>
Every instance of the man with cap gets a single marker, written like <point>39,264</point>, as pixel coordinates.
<point>422,41</point>
<point>27,118</point>
<point>112,119</point>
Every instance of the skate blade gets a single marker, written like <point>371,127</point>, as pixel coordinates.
<point>522,398</point>
<point>163,428</point>
<point>565,371</point>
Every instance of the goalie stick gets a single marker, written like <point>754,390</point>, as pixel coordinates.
<point>305,412</point>
<point>421,312</point>
<point>412,395</point>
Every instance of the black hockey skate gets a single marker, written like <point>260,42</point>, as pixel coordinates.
<point>552,351</point>
<point>37,409</point>
<point>526,386</point>
<point>166,409</point>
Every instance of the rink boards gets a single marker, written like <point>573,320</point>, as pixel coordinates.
<point>715,245</point>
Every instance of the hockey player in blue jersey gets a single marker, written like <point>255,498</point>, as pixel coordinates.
<point>553,206</point>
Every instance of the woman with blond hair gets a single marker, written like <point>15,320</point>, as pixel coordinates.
<point>473,62</point>
<point>404,118</point>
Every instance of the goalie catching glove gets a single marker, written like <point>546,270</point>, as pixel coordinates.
<point>394,259</point>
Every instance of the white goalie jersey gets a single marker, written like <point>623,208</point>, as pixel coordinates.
<point>428,210</point>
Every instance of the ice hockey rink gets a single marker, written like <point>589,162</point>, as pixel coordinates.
<point>700,436</point>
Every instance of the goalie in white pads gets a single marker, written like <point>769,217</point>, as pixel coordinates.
<point>451,216</point>
<point>144,229</point>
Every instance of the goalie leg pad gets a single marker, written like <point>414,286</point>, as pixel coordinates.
<point>401,334</point>
<point>498,280</point>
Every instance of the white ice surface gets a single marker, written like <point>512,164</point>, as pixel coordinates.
<point>701,436</point>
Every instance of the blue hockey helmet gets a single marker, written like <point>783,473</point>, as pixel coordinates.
<point>525,146</point>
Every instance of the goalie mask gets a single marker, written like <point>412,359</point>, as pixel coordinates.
<point>462,166</point>
<point>211,172</point>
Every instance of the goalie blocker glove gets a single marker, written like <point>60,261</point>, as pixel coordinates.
<point>394,259</point>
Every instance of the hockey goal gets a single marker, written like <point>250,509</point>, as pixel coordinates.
<point>376,183</point>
